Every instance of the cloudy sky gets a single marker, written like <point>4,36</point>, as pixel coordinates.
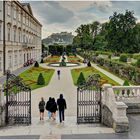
<point>57,16</point>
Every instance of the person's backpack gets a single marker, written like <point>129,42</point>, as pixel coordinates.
<point>41,105</point>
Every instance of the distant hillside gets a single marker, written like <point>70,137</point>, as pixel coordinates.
<point>59,38</point>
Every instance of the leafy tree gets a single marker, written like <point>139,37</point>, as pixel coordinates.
<point>41,80</point>
<point>120,32</point>
<point>81,79</point>
<point>84,37</point>
<point>95,27</point>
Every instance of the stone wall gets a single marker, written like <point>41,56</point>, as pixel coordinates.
<point>107,116</point>
<point>113,112</point>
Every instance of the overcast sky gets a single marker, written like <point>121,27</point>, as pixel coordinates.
<point>57,16</point>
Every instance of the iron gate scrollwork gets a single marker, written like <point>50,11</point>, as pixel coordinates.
<point>18,100</point>
<point>89,101</point>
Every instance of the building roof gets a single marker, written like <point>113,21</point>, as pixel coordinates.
<point>27,8</point>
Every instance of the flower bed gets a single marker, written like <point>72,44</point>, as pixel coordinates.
<point>74,59</point>
<point>52,59</point>
<point>30,76</point>
<point>89,71</point>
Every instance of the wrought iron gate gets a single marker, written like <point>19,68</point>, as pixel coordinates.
<point>89,101</point>
<point>18,100</point>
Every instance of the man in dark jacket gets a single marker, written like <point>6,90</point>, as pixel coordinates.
<point>61,107</point>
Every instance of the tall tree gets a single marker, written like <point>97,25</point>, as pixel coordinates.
<point>120,31</point>
<point>95,28</point>
<point>84,36</point>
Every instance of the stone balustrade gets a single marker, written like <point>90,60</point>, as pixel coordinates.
<point>113,111</point>
<point>123,93</point>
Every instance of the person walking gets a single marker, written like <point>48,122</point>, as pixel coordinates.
<point>58,73</point>
<point>41,108</point>
<point>61,102</point>
<point>48,107</point>
<point>53,109</point>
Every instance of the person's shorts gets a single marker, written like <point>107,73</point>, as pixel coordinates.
<point>41,110</point>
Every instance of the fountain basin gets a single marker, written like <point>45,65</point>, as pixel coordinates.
<point>68,64</point>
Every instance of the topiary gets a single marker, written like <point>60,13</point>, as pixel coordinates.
<point>42,61</point>
<point>126,83</point>
<point>36,64</point>
<point>123,58</point>
<point>89,64</point>
<point>81,79</point>
<point>40,80</point>
<point>138,63</point>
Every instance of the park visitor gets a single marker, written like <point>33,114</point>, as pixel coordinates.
<point>53,109</point>
<point>61,102</point>
<point>48,107</point>
<point>58,73</point>
<point>41,108</point>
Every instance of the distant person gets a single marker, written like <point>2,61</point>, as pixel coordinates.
<point>48,107</point>
<point>41,108</point>
<point>53,109</point>
<point>58,73</point>
<point>61,107</point>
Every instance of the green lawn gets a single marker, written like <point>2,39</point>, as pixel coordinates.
<point>30,76</point>
<point>52,59</point>
<point>89,71</point>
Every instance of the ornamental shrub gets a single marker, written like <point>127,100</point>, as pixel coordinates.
<point>42,61</point>
<point>36,64</point>
<point>89,64</point>
<point>126,83</point>
<point>138,63</point>
<point>41,80</point>
<point>123,58</point>
<point>81,79</point>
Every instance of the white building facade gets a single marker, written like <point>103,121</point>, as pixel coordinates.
<point>22,35</point>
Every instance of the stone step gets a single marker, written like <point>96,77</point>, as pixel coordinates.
<point>49,128</point>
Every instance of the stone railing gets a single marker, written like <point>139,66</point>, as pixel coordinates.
<point>113,112</point>
<point>123,93</point>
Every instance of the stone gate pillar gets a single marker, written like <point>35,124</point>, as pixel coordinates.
<point>2,107</point>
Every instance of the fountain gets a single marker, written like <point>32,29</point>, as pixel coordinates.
<point>63,63</point>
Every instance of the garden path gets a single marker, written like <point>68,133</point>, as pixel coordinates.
<point>56,87</point>
<point>110,75</point>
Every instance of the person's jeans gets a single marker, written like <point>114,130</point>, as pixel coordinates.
<point>49,114</point>
<point>61,115</point>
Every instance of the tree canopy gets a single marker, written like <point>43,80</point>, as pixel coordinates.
<point>120,34</point>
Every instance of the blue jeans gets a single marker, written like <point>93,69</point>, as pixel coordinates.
<point>61,115</point>
<point>49,114</point>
